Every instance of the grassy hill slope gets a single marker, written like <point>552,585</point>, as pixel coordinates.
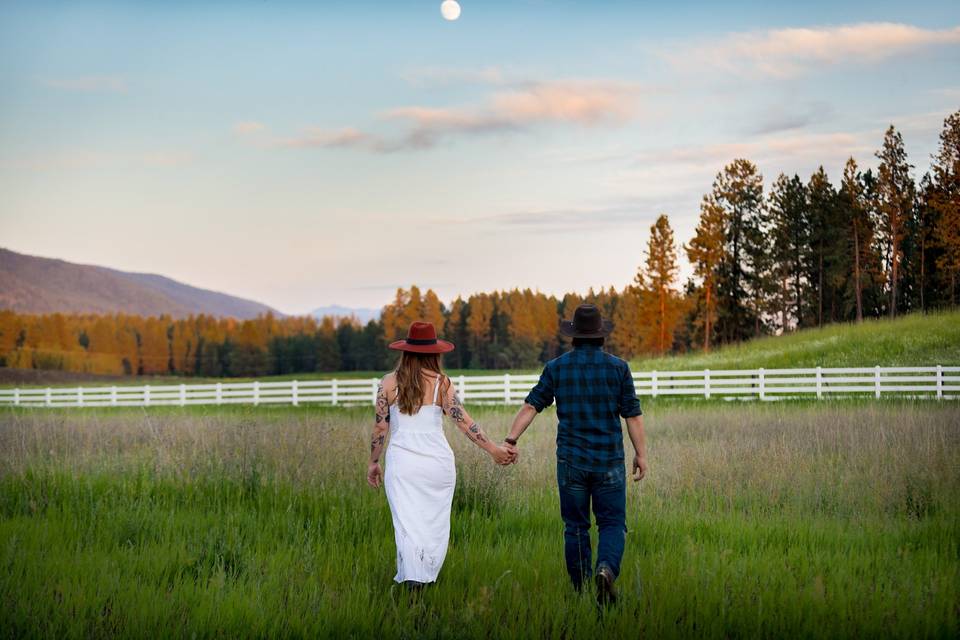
<point>912,340</point>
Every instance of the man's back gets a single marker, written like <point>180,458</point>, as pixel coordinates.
<point>592,389</point>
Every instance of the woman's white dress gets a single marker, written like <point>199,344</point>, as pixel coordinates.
<point>419,481</point>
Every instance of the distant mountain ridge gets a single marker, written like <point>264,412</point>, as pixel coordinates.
<point>364,315</point>
<point>31,284</point>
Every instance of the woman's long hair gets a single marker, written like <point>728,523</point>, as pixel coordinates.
<point>410,382</point>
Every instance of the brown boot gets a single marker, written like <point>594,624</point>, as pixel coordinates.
<point>606,592</point>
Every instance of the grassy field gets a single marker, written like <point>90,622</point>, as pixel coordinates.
<point>792,519</point>
<point>912,340</point>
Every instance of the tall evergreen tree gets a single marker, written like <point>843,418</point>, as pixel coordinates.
<point>790,246</point>
<point>853,208</point>
<point>707,253</point>
<point>946,201</point>
<point>738,190</point>
<point>824,265</point>
<point>895,195</point>
<point>660,302</point>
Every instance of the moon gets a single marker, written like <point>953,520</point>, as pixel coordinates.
<point>450,10</point>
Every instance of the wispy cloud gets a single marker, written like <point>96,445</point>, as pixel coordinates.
<point>573,102</point>
<point>779,118</point>
<point>88,84</point>
<point>779,147</point>
<point>441,76</point>
<point>789,52</point>
<point>247,127</point>
<point>620,214</point>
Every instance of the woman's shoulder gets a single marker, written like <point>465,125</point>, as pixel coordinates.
<point>389,381</point>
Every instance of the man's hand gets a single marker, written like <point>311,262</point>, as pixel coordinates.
<point>512,448</point>
<point>639,467</point>
<point>501,456</point>
<point>374,475</point>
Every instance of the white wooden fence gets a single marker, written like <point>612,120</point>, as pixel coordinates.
<point>765,384</point>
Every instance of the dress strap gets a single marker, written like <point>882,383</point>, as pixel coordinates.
<point>436,388</point>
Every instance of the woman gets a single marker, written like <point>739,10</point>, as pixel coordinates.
<point>420,468</point>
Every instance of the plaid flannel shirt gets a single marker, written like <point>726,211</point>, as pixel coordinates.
<point>593,389</point>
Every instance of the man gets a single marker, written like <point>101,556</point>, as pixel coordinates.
<point>593,389</point>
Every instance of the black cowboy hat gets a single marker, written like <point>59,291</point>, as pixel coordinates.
<point>587,323</point>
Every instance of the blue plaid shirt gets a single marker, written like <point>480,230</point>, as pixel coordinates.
<point>593,389</point>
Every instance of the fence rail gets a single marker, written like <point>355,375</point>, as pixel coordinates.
<point>937,382</point>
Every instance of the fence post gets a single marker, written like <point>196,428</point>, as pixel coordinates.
<point>763,395</point>
<point>294,394</point>
<point>146,395</point>
<point>653,384</point>
<point>506,388</point>
<point>113,396</point>
<point>462,382</point>
<point>256,392</point>
<point>706,383</point>
<point>47,400</point>
<point>819,383</point>
<point>334,392</point>
<point>219,393</point>
<point>939,382</point>
<point>183,395</point>
<point>79,396</point>
<point>16,396</point>
<point>876,381</point>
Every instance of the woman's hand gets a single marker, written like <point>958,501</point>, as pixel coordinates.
<point>501,456</point>
<point>374,474</point>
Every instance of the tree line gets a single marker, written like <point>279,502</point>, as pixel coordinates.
<point>802,253</point>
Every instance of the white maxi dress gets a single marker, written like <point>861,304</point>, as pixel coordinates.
<point>419,482</point>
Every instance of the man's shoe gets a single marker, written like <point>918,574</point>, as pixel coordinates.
<point>606,592</point>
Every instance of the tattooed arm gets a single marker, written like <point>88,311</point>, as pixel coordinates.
<point>379,435</point>
<point>455,409</point>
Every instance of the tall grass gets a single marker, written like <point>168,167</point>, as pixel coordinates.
<point>799,519</point>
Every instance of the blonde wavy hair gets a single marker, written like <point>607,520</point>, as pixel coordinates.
<point>410,383</point>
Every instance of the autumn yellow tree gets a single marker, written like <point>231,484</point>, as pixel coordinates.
<point>660,304</point>
<point>706,253</point>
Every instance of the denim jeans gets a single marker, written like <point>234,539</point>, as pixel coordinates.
<point>607,491</point>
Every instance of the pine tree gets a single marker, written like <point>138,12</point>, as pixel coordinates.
<point>946,201</point>
<point>660,301</point>
<point>790,246</point>
<point>895,194</point>
<point>738,190</point>
<point>854,211</point>
<point>707,253</point>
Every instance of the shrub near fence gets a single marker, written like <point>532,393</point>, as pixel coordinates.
<point>771,384</point>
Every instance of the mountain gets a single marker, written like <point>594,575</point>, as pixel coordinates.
<point>336,311</point>
<point>30,284</point>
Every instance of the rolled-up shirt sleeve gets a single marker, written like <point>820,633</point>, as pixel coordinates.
<point>629,403</point>
<point>541,396</point>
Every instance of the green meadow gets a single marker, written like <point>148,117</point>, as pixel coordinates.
<point>909,341</point>
<point>791,519</point>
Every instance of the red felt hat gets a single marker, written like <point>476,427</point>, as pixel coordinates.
<point>422,338</point>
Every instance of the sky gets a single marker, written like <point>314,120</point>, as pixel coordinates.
<point>315,153</point>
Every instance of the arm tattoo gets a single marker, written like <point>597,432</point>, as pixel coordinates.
<point>376,442</point>
<point>456,409</point>
<point>475,433</point>
<point>382,407</point>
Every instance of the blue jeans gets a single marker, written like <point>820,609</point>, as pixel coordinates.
<point>608,492</point>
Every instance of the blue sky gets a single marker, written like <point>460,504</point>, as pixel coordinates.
<point>312,153</point>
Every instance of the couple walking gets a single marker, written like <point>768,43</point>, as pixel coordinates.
<point>592,389</point>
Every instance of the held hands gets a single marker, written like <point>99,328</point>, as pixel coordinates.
<point>639,467</point>
<point>374,475</point>
<point>502,455</point>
